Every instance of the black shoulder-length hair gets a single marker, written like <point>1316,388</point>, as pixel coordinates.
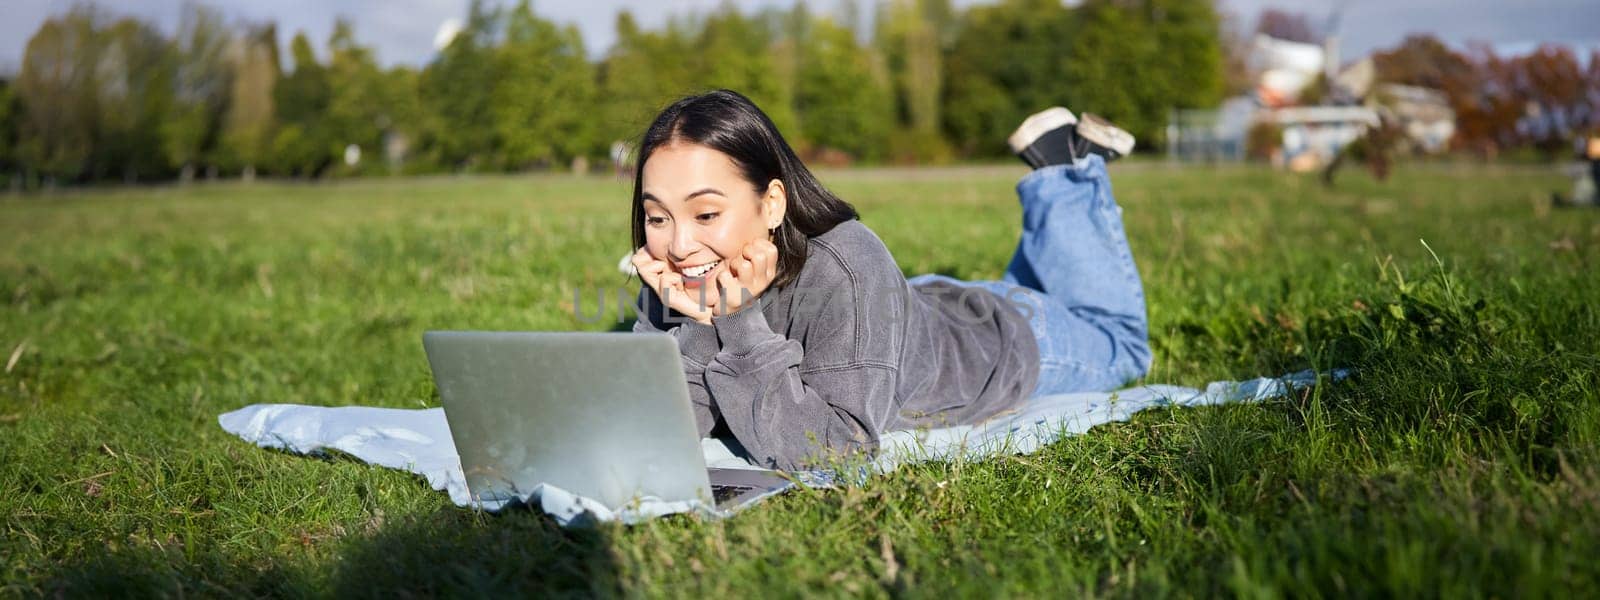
<point>728,122</point>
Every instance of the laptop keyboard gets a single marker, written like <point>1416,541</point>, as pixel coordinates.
<point>724,493</point>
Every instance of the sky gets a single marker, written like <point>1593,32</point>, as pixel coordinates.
<point>404,31</point>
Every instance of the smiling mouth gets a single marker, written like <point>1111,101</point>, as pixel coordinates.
<point>699,271</point>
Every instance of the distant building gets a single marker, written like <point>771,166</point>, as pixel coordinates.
<point>1307,137</point>
<point>1285,69</point>
<point>1313,135</point>
<point>1425,114</point>
<point>1348,102</point>
<point>1212,135</point>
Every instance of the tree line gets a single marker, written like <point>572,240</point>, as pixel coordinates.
<point>1540,100</point>
<point>102,97</point>
<point>106,97</point>
<point>1545,100</point>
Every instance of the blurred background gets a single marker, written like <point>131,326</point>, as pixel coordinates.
<point>158,90</point>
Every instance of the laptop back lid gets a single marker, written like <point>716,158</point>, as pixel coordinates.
<point>602,415</point>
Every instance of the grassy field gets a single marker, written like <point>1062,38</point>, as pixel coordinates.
<point>1461,459</point>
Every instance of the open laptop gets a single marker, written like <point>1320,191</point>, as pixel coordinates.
<point>601,415</point>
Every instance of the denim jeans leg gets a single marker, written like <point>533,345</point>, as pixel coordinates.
<point>1074,277</point>
<point>1053,326</point>
<point>1074,250</point>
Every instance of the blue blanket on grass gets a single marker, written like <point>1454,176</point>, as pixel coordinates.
<point>418,440</point>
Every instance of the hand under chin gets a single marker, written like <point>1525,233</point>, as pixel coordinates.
<point>711,298</point>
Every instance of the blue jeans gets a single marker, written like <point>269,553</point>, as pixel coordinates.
<point>1073,276</point>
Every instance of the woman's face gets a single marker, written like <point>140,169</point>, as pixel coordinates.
<point>699,211</point>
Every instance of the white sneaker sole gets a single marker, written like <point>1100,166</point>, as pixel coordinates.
<point>1038,124</point>
<point>1102,132</point>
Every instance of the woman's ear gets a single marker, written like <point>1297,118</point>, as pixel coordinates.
<point>774,203</point>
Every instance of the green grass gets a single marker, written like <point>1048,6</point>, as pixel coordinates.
<point>1462,458</point>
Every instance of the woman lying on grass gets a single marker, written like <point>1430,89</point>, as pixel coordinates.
<point>798,331</point>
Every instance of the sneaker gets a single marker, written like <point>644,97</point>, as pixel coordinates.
<point>1045,138</point>
<point>1098,136</point>
<point>1054,136</point>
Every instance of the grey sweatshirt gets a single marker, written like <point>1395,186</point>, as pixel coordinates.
<point>847,352</point>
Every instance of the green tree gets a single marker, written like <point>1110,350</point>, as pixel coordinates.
<point>358,101</point>
<point>92,96</point>
<point>913,35</point>
<point>10,112</point>
<point>790,33</point>
<point>300,99</point>
<point>56,88</point>
<point>132,98</point>
<point>1109,69</point>
<point>641,73</point>
<point>457,91</point>
<point>406,120</point>
<point>737,52</point>
<point>1006,63</point>
<point>1190,58</point>
<point>248,124</point>
<point>841,101</point>
<point>1132,62</point>
<point>547,83</point>
<point>203,78</point>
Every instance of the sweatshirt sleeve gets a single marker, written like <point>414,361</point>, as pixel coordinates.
<point>697,342</point>
<point>783,415</point>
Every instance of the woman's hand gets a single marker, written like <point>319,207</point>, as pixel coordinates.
<point>668,285</point>
<point>749,274</point>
